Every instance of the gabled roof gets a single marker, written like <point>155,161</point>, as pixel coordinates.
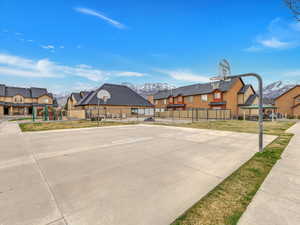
<point>32,92</point>
<point>250,100</point>
<point>195,89</point>
<point>120,95</point>
<point>13,91</point>
<point>83,93</point>
<point>287,91</point>
<point>245,88</point>
<point>76,96</point>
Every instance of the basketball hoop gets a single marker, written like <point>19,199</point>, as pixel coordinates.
<point>103,95</point>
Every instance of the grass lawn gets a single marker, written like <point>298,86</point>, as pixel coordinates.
<point>42,126</point>
<point>225,204</point>
<point>20,119</point>
<point>272,128</point>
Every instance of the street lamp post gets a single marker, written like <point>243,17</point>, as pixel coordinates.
<point>260,87</point>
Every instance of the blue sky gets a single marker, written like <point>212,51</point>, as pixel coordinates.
<point>73,45</point>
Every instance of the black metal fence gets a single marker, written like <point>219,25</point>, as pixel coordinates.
<point>192,114</point>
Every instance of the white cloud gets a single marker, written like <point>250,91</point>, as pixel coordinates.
<point>280,35</point>
<point>61,46</point>
<point>184,75</point>
<point>22,67</point>
<point>274,43</point>
<point>130,74</point>
<point>48,46</point>
<point>101,16</point>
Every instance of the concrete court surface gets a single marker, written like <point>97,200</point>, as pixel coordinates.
<point>122,175</point>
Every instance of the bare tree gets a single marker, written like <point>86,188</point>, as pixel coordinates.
<point>294,6</point>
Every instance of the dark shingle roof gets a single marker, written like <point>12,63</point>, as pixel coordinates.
<point>76,96</point>
<point>2,90</point>
<point>250,100</point>
<point>120,95</point>
<point>83,93</point>
<point>32,92</point>
<point>13,91</point>
<point>244,89</point>
<point>37,92</point>
<point>195,89</point>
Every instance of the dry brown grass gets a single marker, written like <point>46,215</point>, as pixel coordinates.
<point>274,128</point>
<point>42,126</point>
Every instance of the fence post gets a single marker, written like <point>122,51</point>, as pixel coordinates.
<point>206,114</point>
<point>192,115</point>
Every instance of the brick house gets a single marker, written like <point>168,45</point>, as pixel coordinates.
<point>74,98</point>
<point>288,103</point>
<point>20,101</point>
<point>123,99</point>
<point>230,94</point>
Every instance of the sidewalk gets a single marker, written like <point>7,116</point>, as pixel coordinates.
<point>277,202</point>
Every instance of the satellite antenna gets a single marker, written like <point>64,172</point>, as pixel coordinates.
<point>103,95</point>
<point>216,85</point>
<point>224,70</point>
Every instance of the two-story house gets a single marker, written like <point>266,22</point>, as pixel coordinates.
<point>20,101</point>
<point>229,94</point>
<point>74,98</point>
<point>288,103</point>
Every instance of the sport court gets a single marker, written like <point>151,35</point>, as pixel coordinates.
<point>129,175</point>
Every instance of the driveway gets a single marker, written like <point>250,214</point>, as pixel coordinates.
<point>125,175</point>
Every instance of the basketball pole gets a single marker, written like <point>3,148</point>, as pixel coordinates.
<point>98,112</point>
<point>260,87</point>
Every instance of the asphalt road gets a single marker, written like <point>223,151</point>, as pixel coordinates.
<point>129,175</point>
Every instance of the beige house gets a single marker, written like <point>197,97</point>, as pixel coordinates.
<point>288,103</point>
<point>20,101</point>
<point>74,98</point>
<point>122,101</point>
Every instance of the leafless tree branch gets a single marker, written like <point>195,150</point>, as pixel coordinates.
<point>294,6</point>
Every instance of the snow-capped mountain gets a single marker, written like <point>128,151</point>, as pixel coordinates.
<point>277,88</point>
<point>148,88</point>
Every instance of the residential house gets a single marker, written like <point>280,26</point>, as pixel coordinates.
<point>288,103</point>
<point>229,94</point>
<point>20,101</point>
<point>74,98</point>
<point>122,100</point>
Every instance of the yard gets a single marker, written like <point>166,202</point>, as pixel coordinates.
<point>43,126</point>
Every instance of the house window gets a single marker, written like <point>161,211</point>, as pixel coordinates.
<point>217,95</point>
<point>18,99</point>
<point>204,98</point>
<point>46,100</point>
<point>134,111</point>
<point>165,101</point>
<point>190,99</point>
